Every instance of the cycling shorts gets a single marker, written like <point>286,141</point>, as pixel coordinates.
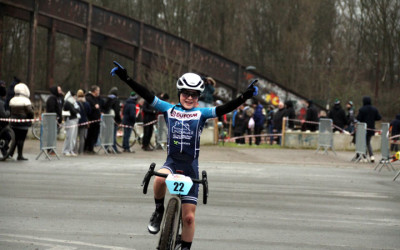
<point>189,168</point>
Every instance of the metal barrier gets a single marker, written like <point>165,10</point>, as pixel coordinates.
<point>361,142</point>
<point>107,133</point>
<point>325,135</point>
<point>48,135</point>
<point>162,132</point>
<point>385,149</point>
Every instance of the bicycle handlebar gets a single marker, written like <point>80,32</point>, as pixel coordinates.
<point>151,172</point>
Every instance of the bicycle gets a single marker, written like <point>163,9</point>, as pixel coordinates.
<point>36,129</point>
<point>135,137</point>
<point>7,141</point>
<point>177,185</point>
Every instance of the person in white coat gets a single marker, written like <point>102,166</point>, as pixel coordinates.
<point>71,123</point>
<point>20,108</point>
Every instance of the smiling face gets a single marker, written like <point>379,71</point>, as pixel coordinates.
<point>189,98</point>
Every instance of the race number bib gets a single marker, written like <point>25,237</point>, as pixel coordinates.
<point>178,184</point>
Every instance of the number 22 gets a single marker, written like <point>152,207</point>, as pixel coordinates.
<point>178,187</point>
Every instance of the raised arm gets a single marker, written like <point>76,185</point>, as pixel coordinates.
<point>251,91</point>
<point>120,71</point>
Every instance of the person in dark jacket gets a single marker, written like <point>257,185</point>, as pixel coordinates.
<point>278,116</point>
<point>84,109</point>
<point>55,102</point>
<point>338,116</point>
<point>395,130</point>
<point>149,115</point>
<point>113,106</point>
<point>239,124</point>
<point>270,123</point>
<point>20,108</point>
<point>311,122</point>
<point>351,117</point>
<point>129,119</point>
<point>94,128</point>
<point>290,113</point>
<point>10,92</point>
<point>369,114</point>
<point>4,114</point>
<point>259,120</point>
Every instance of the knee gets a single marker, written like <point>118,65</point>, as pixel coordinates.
<point>159,181</point>
<point>188,219</point>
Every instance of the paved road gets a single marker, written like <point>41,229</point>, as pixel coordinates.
<point>257,201</point>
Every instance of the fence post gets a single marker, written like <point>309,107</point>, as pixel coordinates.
<point>385,149</point>
<point>48,135</point>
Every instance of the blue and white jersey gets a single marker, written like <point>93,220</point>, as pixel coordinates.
<point>184,126</point>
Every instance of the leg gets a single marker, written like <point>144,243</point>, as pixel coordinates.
<point>188,219</point>
<point>127,135</point>
<point>159,188</point>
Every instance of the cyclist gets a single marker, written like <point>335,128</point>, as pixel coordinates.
<point>185,123</point>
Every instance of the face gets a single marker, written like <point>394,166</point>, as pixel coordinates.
<point>189,98</point>
<point>96,93</point>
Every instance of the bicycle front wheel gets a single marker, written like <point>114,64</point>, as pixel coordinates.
<point>7,142</point>
<point>120,136</point>
<point>170,226</point>
<point>36,129</point>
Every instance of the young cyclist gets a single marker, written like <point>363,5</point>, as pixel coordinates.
<point>185,123</point>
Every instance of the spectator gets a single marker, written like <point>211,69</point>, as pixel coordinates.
<point>84,109</point>
<point>239,125</point>
<point>311,122</point>
<point>395,130</point>
<point>278,116</point>
<point>338,116</point>
<point>10,92</point>
<point>270,123</point>
<point>259,120</point>
<point>369,114</point>
<point>290,114</point>
<point>350,117</point>
<point>71,123</point>
<point>112,106</point>
<point>20,108</point>
<point>249,121</point>
<point>55,102</point>
<point>94,116</point>
<point>207,99</point>
<point>149,115</point>
<point>4,113</point>
<point>129,119</point>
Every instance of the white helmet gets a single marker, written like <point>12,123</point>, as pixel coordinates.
<point>190,81</point>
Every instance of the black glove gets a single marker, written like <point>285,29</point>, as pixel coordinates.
<point>120,71</point>
<point>251,91</point>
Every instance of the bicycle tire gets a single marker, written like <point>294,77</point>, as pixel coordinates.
<point>170,226</point>
<point>131,142</point>
<point>36,126</point>
<point>6,143</point>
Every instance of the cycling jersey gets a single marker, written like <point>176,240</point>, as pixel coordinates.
<point>184,127</point>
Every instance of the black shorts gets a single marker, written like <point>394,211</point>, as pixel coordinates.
<point>190,169</point>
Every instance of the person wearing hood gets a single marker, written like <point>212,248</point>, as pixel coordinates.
<point>395,130</point>
<point>338,116</point>
<point>112,106</point>
<point>71,123</point>
<point>20,108</point>
<point>311,117</point>
<point>129,119</point>
<point>369,114</point>
<point>55,102</point>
